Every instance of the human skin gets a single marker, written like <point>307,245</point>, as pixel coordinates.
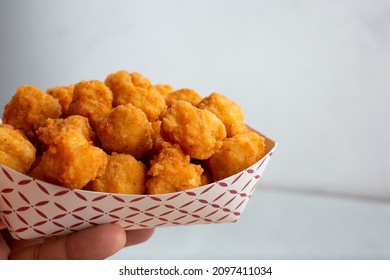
<point>98,242</point>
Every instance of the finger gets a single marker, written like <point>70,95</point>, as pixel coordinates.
<point>97,242</point>
<point>138,236</point>
<point>15,245</point>
<point>4,249</point>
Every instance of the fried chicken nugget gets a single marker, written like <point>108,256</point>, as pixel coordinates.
<point>236,154</point>
<point>29,108</point>
<point>158,141</point>
<point>16,151</point>
<point>124,174</point>
<point>52,127</point>
<point>171,171</point>
<point>126,130</point>
<point>228,111</point>
<point>36,170</point>
<point>205,178</point>
<point>135,89</point>
<point>198,132</point>
<point>72,161</point>
<point>64,95</point>
<point>91,99</point>
<point>184,94</point>
<point>164,89</point>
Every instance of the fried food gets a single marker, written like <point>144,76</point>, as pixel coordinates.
<point>184,94</point>
<point>123,84</point>
<point>164,89</point>
<point>91,99</point>
<point>126,135</point>
<point>171,171</point>
<point>205,178</point>
<point>198,132</point>
<point>228,111</point>
<point>73,161</point>
<point>126,130</point>
<point>124,174</point>
<point>29,108</point>
<point>64,95</point>
<point>37,172</point>
<point>52,127</point>
<point>16,151</point>
<point>236,154</point>
<point>158,141</point>
<point>135,89</point>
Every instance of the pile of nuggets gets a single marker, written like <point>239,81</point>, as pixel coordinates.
<point>126,135</point>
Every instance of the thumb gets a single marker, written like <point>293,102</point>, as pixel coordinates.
<point>97,242</point>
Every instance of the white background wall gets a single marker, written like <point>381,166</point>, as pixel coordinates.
<point>314,75</point>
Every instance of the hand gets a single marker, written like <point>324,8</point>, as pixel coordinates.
<point>98,242</point>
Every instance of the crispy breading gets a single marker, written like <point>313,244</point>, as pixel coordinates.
<point>73,161</point>
<point>64,95</point>
<point>184,94</point>
<point>158,141</point>
<point>135,89</point>
<point>228,111</point>
<point>164,89</point>
<point>205,178</point>
<point>236,154</point>
<point>126,130</point>
<point>52,127</point>
<point>16,151</point>
<point>126,135</point>
<point>36,170</point>
<point>124,174</point>
<point>91,99</point>
<point>171,171</point>
<point>29,108</point>
<point>198,132</point>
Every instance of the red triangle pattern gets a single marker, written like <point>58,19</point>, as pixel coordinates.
<point>32,208</point>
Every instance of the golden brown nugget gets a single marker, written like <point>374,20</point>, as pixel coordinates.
<point>126,130</point>
<point>52,127</point>
<point>124,174</point>
<point>29,108</point>
<point>64,95</point>
<point>228,111</point>
<point>171,171</point>
<point>16,151</point>
<point>205,178</point>
<point>236,154</point>
<point>198,132</point>
<point>184,94</point>
<point>72,160</point>
<point>123,84</point>
<point>36,170</point>
<point>164,89</point>
<point>135,89</point>
<point>91,99</point>
<point>158,141</point>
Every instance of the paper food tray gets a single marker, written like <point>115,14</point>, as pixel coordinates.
<point>32,208</point>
